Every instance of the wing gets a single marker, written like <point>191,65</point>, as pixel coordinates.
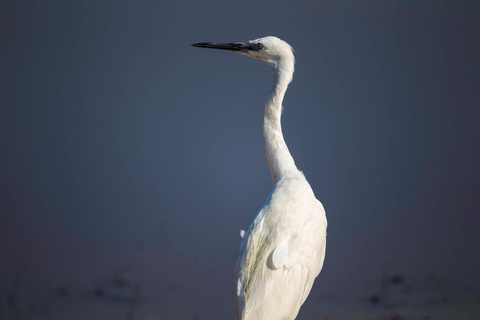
<point>273,281</point>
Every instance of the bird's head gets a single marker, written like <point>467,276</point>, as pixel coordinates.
<point>271,50</point>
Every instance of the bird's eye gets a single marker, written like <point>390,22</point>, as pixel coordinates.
<point>259,46</point>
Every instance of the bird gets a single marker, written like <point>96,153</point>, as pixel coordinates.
<point>283,250</point>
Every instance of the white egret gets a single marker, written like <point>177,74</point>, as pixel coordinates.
<point>283,250</point>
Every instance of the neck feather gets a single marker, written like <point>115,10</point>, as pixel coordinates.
<point>279,159</point>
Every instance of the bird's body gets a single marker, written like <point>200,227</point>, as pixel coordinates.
<point>281,253</point>
<point>283,250</point>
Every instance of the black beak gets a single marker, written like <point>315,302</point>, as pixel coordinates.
<point>232,46</point>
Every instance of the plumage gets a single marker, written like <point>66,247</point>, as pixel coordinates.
<point>283,250</point>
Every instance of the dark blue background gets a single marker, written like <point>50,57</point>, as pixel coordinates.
<point>127,154</point>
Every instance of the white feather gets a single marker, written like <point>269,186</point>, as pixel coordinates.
<point>279,255</point>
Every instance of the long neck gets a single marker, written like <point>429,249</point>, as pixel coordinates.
<point>279,159</point>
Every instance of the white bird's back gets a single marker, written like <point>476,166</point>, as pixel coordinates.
<point>281,253</point>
